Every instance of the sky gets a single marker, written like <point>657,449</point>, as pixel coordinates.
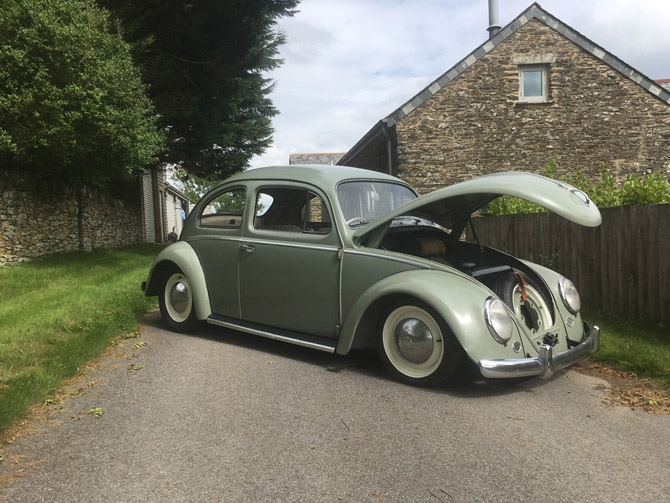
<point>349,63</point>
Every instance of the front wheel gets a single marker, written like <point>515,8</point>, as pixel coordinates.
<point>175,300</point>
<point>416,345</point>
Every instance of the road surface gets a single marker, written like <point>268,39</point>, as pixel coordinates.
<point>228,417</point>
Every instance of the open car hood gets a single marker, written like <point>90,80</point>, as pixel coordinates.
<point>455,204</point>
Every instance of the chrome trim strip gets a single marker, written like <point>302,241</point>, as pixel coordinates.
<point>292,244</point>
<point>217,238</point>
<point>393,259</point>
<point>270,335</point>
<point>545,364</point>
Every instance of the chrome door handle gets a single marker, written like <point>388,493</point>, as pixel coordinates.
<point>248,248</point>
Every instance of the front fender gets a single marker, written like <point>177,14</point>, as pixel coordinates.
<point>182,255</point>
<point>575,330</point>
<point>457,299</point>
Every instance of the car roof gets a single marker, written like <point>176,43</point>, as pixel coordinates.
<point>323,176</point>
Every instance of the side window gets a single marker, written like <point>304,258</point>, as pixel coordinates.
<point>317,219</point>
<point>225,210</point>
<point>291,210</point>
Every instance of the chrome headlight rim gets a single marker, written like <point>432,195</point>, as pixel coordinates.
<point>494,308</point>
<point>568,290</point>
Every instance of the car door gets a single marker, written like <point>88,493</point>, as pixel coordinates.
<point>289,262</point>
<point>217,244</point>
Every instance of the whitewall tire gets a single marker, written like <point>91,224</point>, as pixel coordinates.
<point>415,344</point>
<point>176,302</point>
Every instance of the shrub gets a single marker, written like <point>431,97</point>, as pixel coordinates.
<point>645,189</point>
<point>650,189</point>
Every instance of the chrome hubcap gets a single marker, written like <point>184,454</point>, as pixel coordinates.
<point>179,297</point>
<point>414,340</point>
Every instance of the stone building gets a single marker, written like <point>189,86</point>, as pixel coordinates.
<point>536,91</point>
<point>164,207</point>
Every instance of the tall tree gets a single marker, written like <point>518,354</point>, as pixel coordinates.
<point>203,61</point>
<point>72,103</point>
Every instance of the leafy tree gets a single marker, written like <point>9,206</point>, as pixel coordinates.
<point>231,202</point>
<point>72,104</point>
<point>203,61</point>
<point>194,186</point>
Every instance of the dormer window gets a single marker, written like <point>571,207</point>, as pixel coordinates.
<point>533,84</point>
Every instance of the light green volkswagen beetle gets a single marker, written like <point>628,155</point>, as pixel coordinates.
<point>336,258</point>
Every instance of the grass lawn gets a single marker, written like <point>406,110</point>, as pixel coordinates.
<point>634,346</point>
<point>59,312</point>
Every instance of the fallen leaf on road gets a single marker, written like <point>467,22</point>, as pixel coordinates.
<point>629,390</point>
<point>97,412</point>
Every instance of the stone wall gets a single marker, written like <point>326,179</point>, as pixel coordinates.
<point>37,219</point>
<point>476,125</point>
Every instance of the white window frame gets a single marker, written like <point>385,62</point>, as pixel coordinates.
<point>545,77</point>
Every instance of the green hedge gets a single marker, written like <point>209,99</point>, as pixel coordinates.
<point>605,192</point>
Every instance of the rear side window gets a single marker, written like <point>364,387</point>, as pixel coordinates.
<point>291,210</point>
<point>225,210</point>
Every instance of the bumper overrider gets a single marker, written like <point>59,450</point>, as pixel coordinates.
<point>546,363</point>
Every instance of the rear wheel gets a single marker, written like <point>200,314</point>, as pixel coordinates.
<point>175,300</point>
<point>416,345</point>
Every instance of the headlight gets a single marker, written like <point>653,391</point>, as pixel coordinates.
<point>569,295</point>
<point>498,320</point>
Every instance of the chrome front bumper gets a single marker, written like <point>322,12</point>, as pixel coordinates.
<point>545,364</point>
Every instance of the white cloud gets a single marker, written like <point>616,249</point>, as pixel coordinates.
<point>349,63</point>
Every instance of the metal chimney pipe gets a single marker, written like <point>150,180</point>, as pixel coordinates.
<point>494,26</point>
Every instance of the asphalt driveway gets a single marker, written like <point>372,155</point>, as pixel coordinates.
<point>223,416</point>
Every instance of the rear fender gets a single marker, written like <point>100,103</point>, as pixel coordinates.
<point>181,255</point>
<point>458,300</point>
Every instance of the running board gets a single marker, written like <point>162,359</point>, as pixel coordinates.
<point>308,341</point>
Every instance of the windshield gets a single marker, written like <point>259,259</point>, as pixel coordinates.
<point>365,201</point>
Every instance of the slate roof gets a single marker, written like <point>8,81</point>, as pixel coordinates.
<point>324,159</point>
